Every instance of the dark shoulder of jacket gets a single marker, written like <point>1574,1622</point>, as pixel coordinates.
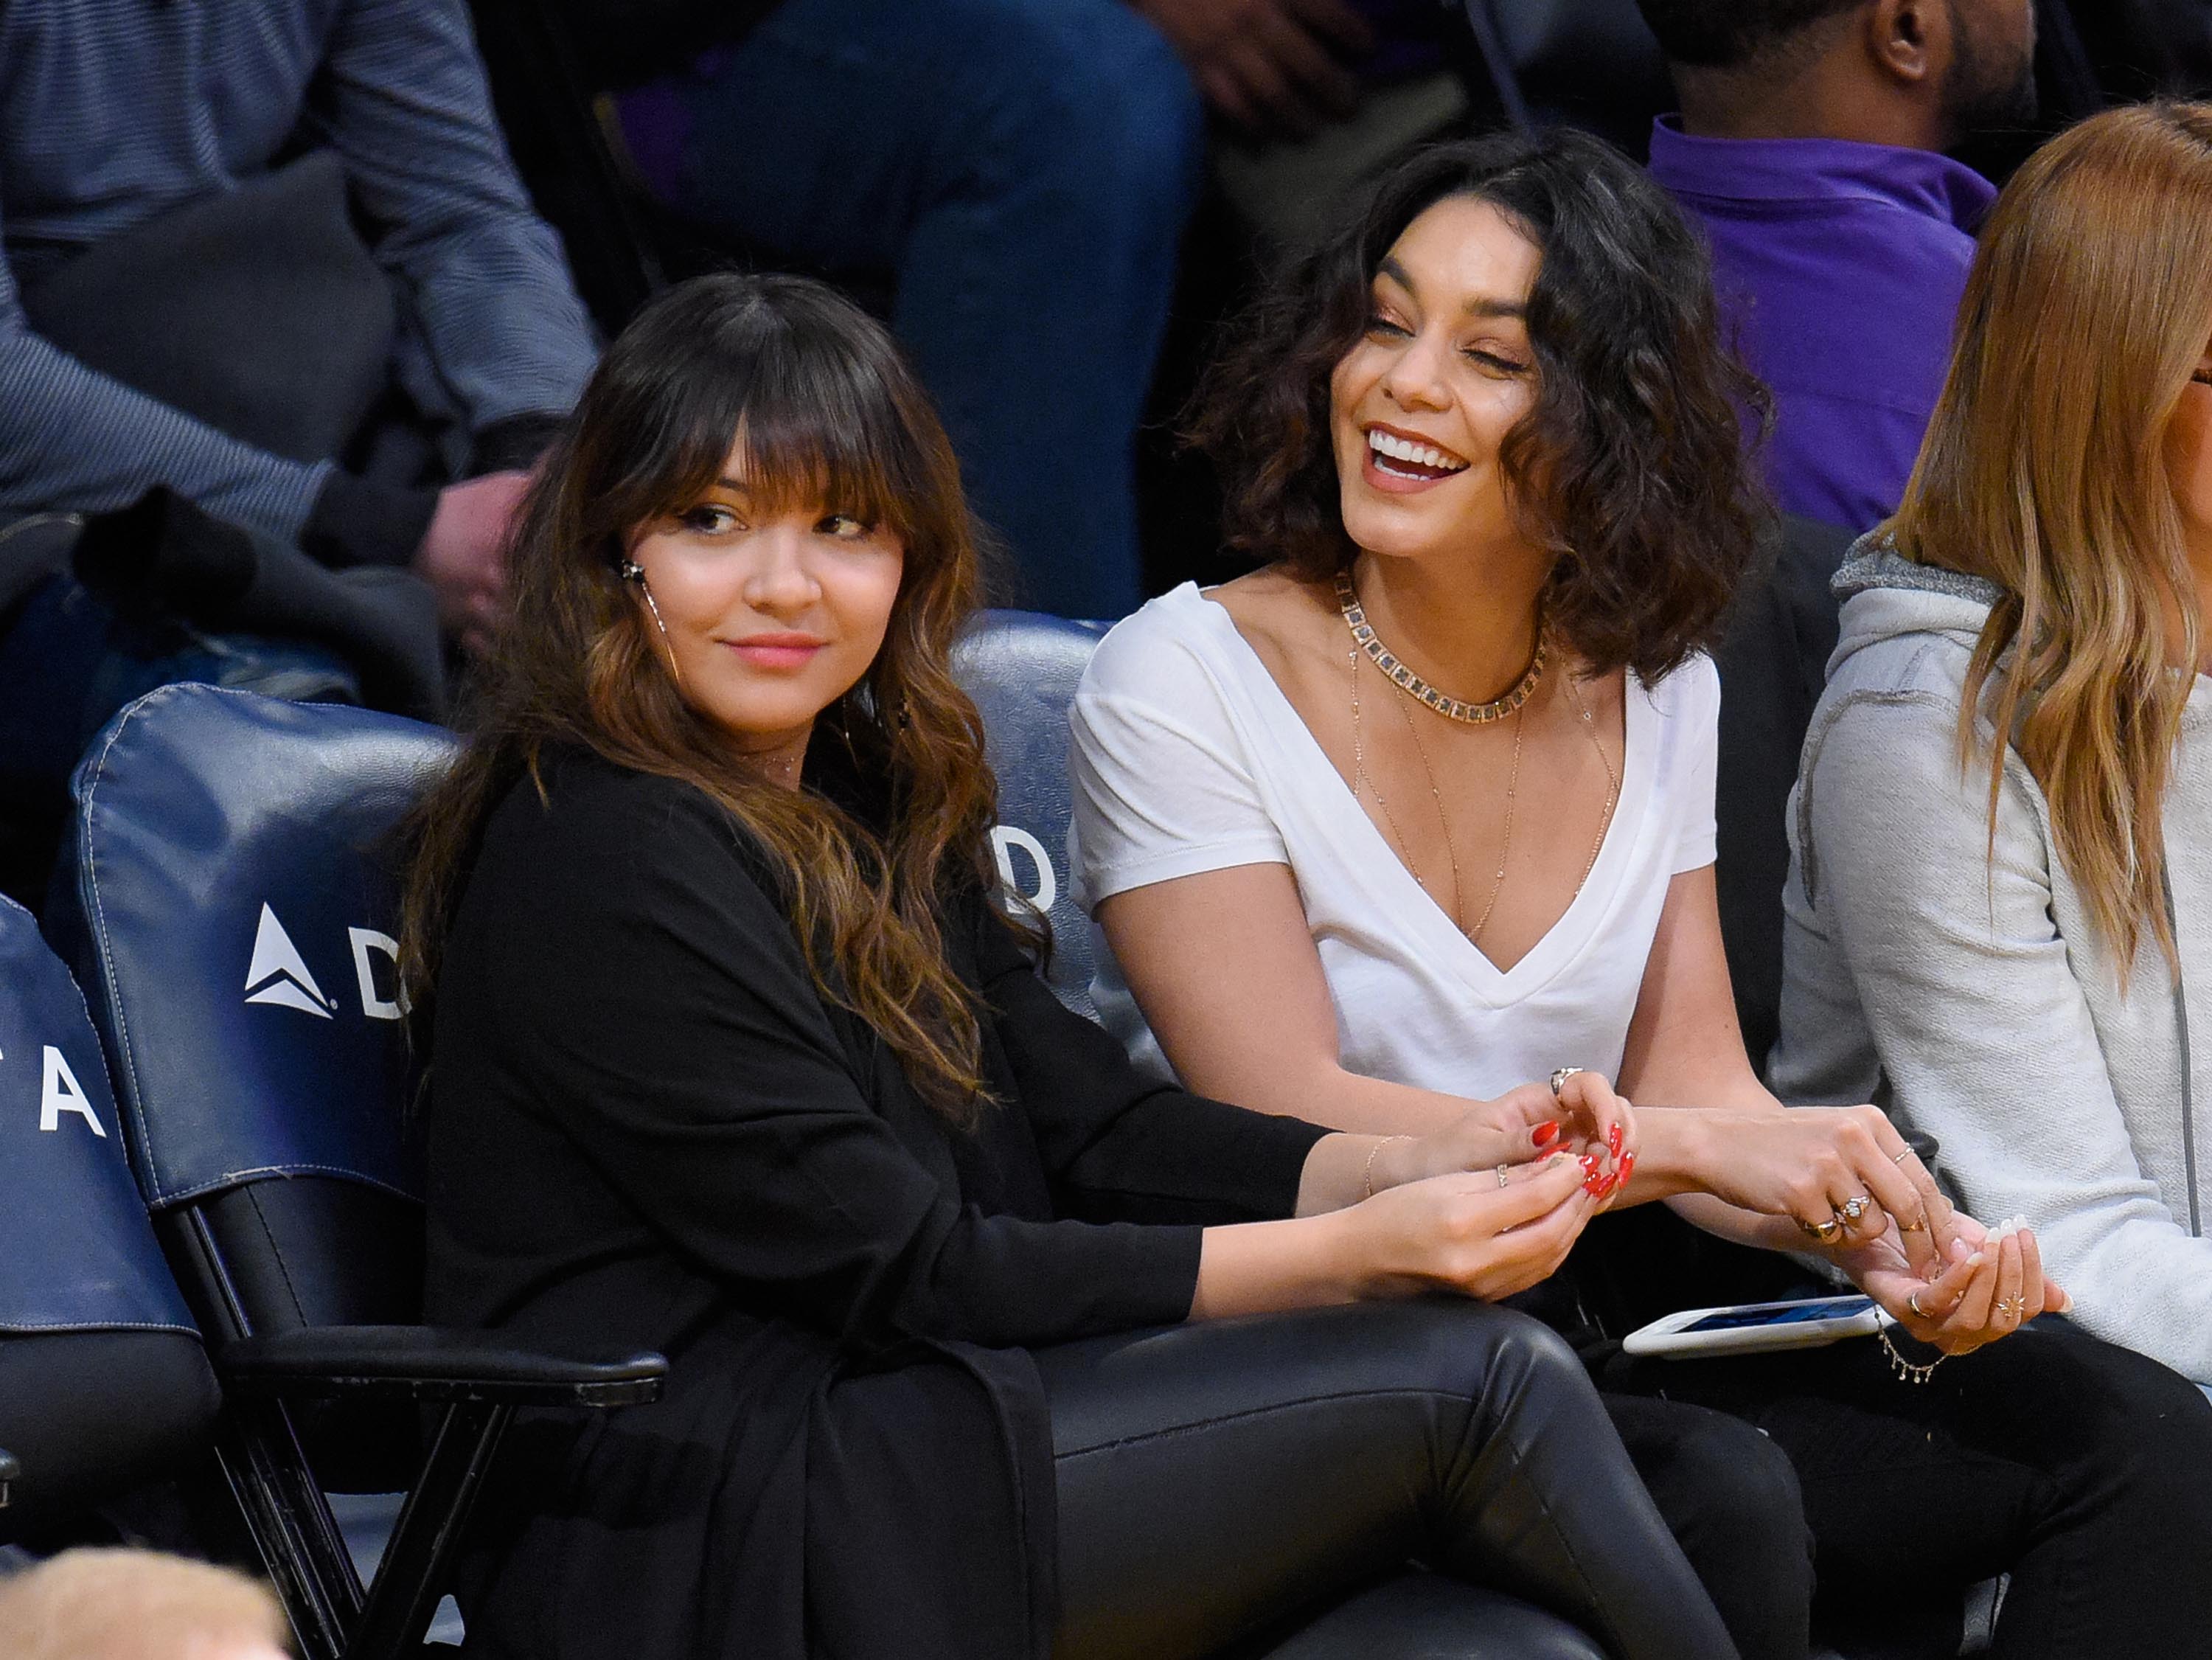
<point>586,819</point>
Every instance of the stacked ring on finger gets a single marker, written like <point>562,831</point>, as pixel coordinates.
<point>1900,1158</point>
<point>1502,1181</point>
<point>1851,1209</point>
<point>1827,1232</point>
<point>1559,1077</point>
<point>2012,1307</point>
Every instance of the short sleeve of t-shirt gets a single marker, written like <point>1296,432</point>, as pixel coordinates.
<point>1690,699</point>
<point>1162,776</point>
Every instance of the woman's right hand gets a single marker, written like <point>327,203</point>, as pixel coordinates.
<point>1807,1163</point>
<point>1484,1233</point>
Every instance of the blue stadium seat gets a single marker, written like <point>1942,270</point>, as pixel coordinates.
<point>1022,667</point>
<point>229,902</point>
<point>103,1382</point>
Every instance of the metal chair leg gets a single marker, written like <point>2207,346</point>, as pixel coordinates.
<point>404,1595</point>
<point>292,1526</point>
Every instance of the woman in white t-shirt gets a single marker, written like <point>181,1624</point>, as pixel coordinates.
<point>1424,810</point>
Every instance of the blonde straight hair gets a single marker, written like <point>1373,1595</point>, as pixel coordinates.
<point>2088,308</point>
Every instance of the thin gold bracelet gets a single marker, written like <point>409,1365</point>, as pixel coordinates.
<point>1367,1175</point>
<point>1910,1372</point>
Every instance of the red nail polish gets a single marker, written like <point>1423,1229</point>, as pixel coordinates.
<point>1546,1132</point>
<point>1613,1140</point>
<point>1588,1161</point>
<point>1628,1168</point>
<point>1601,1187</point>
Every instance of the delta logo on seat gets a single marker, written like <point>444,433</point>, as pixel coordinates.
<point>279,976</point>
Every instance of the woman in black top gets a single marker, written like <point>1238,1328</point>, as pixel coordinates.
<point>735,1057</point>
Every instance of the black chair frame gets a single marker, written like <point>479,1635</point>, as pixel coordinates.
<point>479,1383</point>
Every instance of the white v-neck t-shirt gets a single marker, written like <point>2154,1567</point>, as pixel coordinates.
<point>1187,757</point>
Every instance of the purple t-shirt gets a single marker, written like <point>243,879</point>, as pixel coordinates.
<point>1838,267</point>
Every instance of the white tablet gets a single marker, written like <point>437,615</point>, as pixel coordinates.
<point>1746,1327</point>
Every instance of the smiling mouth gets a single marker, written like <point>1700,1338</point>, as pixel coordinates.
<point>776,651</point>
<point>1405,457</point>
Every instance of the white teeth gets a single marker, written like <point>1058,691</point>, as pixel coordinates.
<point>1404,449</point>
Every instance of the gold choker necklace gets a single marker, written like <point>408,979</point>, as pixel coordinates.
<point>1362,632</point>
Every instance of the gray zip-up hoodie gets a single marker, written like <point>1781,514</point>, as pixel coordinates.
<point>1973,997</point>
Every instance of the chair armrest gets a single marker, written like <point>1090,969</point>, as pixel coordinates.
<point>431,1363</point>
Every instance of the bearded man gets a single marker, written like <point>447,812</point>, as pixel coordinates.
<point>1809,147</point>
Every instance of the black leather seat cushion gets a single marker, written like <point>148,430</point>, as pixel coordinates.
<point>90,1414</point>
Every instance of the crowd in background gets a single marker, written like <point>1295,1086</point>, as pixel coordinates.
<point>1036,194</point>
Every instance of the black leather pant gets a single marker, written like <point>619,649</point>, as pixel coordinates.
<point>1216,1480</point>
<point>2082,1470</point>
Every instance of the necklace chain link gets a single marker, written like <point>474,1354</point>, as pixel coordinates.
<point>1363,637</point>
<point>1452,709</point>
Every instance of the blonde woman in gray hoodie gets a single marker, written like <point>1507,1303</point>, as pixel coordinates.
<point>2000,904</point>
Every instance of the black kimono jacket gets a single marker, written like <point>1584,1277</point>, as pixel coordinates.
<point>647,1130</point>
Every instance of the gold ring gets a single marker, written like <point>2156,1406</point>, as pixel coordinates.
<point>1917,1224</point>
<point>1912,1302</point>
<point>1900,1158</point>
<point>1559,1080</point>
<point>1827,1232</point>
<point>2012,1306</point>
<point>1851,1209</point>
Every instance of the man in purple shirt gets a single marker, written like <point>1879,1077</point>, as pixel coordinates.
<point>1809,147</point>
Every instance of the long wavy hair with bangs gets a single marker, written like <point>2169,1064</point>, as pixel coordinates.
<point>1630,468</point>
<point>826,413</point>
<point>2087,310</point>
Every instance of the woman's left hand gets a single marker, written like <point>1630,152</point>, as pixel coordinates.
<point>1993,1286</point>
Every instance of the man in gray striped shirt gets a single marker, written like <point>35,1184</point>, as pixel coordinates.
<point>115,112</point>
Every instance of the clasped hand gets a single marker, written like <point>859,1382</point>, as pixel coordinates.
<point>1491,1205</point>
<point>1844,1175</point>
<point>1864,1199</point>
<point>1989,1283</point>
<point>1586,1119</point>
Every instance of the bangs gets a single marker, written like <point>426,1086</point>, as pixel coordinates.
<point>802,417</point>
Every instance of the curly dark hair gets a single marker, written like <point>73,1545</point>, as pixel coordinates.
<point>1630,467</point>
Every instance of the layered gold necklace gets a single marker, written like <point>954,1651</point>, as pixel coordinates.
<point>1476,715</point>
<point>1368,644</point>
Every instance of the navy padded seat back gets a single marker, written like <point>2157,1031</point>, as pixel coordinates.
<point>231,904</point>
<point>1022,669</point>
<point>76,1252</point>
<point>103,1380</point>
